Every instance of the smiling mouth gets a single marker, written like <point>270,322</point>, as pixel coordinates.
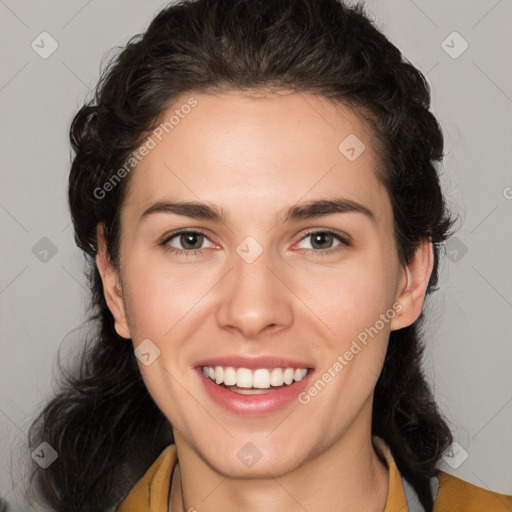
<point>247,381</point>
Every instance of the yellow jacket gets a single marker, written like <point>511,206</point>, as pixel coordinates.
<point>151,492</point>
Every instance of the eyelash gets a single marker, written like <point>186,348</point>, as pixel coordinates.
<point>344,242</point>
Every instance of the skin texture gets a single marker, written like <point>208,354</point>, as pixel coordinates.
<point>256,155</point>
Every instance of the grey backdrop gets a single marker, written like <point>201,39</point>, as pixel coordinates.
<point>463,47</point>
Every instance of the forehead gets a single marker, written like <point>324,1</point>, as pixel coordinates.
<point>257,150</point>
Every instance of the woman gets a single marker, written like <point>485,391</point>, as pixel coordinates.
<point>255,186</point>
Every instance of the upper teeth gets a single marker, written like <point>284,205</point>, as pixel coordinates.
<point>260,378</point>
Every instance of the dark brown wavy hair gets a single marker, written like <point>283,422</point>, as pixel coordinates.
<point>102,421</point>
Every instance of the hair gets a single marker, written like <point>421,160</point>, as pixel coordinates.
<point>102,422</point>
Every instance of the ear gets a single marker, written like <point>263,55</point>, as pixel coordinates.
<point>413,286</point>
<point>111,284</point>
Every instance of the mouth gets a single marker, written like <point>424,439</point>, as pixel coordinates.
<point>256,391</point>
<point>246,381</point>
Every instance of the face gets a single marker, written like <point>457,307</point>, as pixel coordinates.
<point>285,259</point>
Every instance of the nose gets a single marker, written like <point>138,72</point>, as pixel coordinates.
<point>254,299</point>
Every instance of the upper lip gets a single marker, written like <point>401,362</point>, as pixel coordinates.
<point>253,362</point>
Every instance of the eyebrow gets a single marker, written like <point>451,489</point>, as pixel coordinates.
<point>303,211</point>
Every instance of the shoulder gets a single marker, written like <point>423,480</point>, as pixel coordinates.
<point>456,495</point>
<point>151,492</point>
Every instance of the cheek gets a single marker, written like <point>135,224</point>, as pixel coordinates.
<point>160,297</point>
<point>348,297</point>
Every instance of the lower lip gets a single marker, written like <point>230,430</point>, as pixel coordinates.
<point>255,405</point>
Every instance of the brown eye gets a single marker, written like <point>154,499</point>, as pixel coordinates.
<point>191,240</point>
<point>323,242</point>
<point>186,241</point>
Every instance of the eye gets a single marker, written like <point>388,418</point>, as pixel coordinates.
<point>321,242</point>
<point>190,243</point>
<point>186,242</point>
